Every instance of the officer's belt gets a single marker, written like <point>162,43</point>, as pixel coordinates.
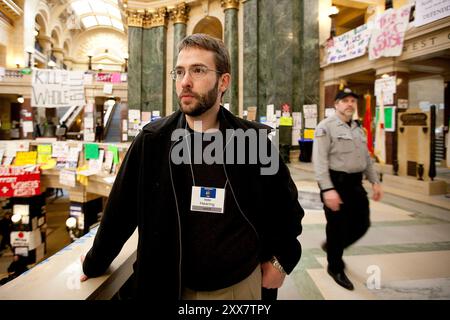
<point>344,177</point>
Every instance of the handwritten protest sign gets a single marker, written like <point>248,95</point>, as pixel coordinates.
<point>349,45</point>
<point>57,88</point>
<point>20,181</point>
<point>388,33</point>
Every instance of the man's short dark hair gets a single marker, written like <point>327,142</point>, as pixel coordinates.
<point>206,42</point>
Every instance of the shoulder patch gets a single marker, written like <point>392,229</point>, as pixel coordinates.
<point>320,132</point>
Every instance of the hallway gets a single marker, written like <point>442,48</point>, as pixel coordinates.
<point>404,255</point>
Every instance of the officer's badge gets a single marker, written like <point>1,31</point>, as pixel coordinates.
<point>320,132</point>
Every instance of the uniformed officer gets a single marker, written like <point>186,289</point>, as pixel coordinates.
<point>340,158</point>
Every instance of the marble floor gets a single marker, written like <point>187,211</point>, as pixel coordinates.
<point>404,255</point>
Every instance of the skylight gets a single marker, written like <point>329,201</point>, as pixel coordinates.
<point>98,13</point>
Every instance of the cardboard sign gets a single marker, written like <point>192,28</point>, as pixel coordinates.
<point>25,157</point>
<point>20,181</point>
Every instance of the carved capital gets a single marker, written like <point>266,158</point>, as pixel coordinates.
<point>159,17</point>
<point>180,14</point>
<point>135,18</point>
<point>229,4</point>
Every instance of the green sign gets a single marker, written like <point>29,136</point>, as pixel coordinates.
<point>389,118</point>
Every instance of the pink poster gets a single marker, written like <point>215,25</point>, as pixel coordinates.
<point>115,77</point>
<point>388,33</point>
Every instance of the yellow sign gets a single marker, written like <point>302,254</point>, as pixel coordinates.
<point>286,121</point>
<point>309,134</point>
<point>44,153</point>
<point>25,157</point>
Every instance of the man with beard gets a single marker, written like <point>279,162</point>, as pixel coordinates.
<point>340,158</point>
<point>204,230</point>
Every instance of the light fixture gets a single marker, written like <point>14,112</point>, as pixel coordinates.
<point>16,218</point>
<point>20,99</point>
<point>36,33</point>
<point>90,62</point>
<point>29,50</point>
<point>384,76</point>
<point>71,222</point>
<point>51,64</point>
<point>17,63</point>
<point>100,67</point>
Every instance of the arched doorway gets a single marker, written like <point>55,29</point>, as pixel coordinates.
<point>211,26</point>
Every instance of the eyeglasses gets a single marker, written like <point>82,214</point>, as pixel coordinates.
<point>196,72</point>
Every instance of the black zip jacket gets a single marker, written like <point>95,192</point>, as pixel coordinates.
<point>143,196</point>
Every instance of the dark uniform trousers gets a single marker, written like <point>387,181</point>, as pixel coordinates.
<point>351,222</point>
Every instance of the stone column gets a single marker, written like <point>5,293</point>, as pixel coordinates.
<point>179,15</point>
<point>46,43</point>
<point>401,72</point>
<point>251,55</point>
<point>59,55</point>
<point>135,19</point>
<point>68,61</point>
<point>331,89</point>
<point>231,40</point>
<point>153,85</point>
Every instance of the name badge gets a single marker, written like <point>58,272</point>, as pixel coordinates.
<point>206,199</point>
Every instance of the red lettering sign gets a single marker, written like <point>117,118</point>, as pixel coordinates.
<point>20,181</point>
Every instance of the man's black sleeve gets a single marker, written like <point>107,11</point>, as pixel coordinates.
<point>119,218</point>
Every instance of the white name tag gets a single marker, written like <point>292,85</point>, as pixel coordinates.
<point>206,199</point>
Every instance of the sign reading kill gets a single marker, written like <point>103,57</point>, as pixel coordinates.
<point>57,88</point>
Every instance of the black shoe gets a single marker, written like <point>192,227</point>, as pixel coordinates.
<point>341,279</point>
<point>324,246</point>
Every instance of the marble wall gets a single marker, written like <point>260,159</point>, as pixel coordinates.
<point>281,53</point>
<point>179,34</point>
<point>154,69</point>
<point>134,67</point>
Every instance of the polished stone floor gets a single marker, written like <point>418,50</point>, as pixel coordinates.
<point>404,255</point>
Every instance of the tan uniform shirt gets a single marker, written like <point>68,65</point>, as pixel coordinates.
<point>339,147</point>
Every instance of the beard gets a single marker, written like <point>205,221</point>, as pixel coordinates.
<point>204,102</point>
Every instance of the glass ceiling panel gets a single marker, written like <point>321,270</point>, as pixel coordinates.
<point>89,21</point>
<point>98,12</point>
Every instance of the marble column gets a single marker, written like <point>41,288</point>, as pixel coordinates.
<point>179,15</point>
<point>153,85</point>
<point>231,40</point>
<point>281,45</point>
<point>135,19</point>
<point>251,54</point>
<point>308,13</point>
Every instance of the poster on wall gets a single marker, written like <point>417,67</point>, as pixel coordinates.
<point>388,33</point>
<point>430,10</point>
<point>389,118</point>
<point>57,88</point>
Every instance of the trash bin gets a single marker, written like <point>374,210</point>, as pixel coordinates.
<point>306,146</point>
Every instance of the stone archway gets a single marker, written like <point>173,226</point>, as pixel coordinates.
<point>211,26</point>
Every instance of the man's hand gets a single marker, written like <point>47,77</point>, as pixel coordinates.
<point>83,277</point>
<point>272,278</point>
<point>332,200</point>
<point>377,191</point>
